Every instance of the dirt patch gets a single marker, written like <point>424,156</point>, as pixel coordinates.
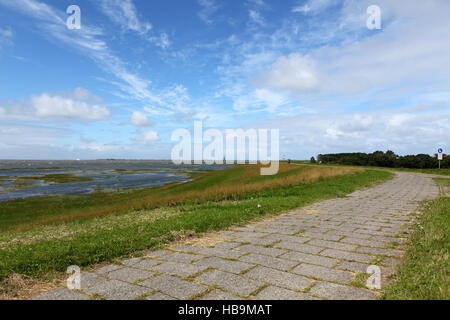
<point>306,211</point>
<point>19,287</point>
<point>203,240</point>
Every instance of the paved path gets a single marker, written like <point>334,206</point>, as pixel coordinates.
<point>315,252</point>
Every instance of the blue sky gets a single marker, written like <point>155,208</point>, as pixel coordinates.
<point>137,70</point>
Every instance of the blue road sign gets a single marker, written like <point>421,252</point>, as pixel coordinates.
<point>440,150</point>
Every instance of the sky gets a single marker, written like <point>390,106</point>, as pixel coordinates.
<point>137,70</point>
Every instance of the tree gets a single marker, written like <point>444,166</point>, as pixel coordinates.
<point>381,159</point>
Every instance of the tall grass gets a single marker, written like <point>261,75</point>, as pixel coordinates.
<point>230,184</point>
<point>442,172</point>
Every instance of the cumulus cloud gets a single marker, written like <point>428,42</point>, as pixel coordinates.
<point>407,57</point>
<point>405,131</point>
<point>78,104</point>
<point>52,106</point>
<point>294,72</point>
<point>150,136</point>
<point>84,95</point>
<point>140,119</point>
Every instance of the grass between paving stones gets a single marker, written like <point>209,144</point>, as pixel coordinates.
<point>360,280</point>
<point>424,273</point>
<point>43,257</point>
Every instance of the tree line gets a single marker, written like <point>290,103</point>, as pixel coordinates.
<point>384,159</point>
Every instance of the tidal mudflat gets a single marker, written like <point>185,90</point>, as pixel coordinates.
<point>25,179</point>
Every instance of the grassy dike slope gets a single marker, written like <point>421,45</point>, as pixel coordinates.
<point>212,202</point>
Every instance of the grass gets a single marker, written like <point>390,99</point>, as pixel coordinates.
<point>211,202</point>
<point>444,172</point>
<point>443,181</point>
<point>229,184</point>
<point>444,186</point>
<point>424,273</point>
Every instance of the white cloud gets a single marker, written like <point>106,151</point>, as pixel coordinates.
<point>314,6</point>
<point>407,58</point>
<point>150,136</point>
<point>161,41</point>
<point>84,95</point>
<point>257,3</point>
<point>404,131</point>
<point>255,17</point>
<point>88,42</point>
<point>140,119</point>
<point>100,147</point>
<point>124,13</point>
<point>26,136</point>
<point>208,8</point>
<point>294,72</point>
<point>51,106</point>
<point>79,104</point>
<point>335,63</point>
<point>260,100</point>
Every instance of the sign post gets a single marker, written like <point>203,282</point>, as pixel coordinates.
<point>440,156</point>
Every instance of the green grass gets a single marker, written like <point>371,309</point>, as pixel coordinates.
<point>424,273</point>
<point>97,241</point>
<point>444,172</point>
<point>24,214</point>
<point>20,212</point>
<point>443,181</point>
